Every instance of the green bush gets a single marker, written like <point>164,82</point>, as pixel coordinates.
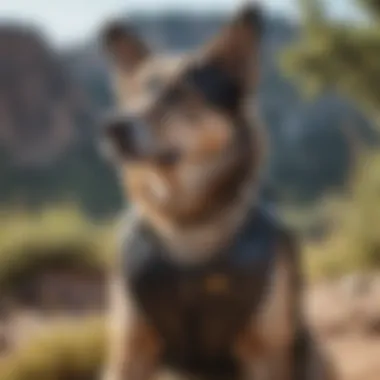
<point>68,352</point>
<point>63,237</point>
<point>354,243</point>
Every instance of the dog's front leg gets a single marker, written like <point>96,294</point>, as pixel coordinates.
<point>272,366</point>
<point>133,347</point>
<point>265,347</point>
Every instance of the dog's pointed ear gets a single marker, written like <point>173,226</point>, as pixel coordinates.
<point>123,46</point>
<point>236,49</point>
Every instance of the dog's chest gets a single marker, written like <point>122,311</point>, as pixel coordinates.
<point>199,310</point>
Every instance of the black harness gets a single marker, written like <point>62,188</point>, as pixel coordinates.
<point>199,310</point>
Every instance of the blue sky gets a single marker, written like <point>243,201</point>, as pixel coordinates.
<point>66,21</point>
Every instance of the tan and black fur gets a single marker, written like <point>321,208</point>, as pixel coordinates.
<point>190,164</point>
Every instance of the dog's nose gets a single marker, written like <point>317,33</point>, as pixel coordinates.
<point>130,136</point>
<point>118,128</point>
<point>121,131</point>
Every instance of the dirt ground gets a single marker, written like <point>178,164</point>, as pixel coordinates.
<point>344,314</point>
<point>346,317</point>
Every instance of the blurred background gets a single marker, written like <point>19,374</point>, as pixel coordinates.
<point>59,198</point>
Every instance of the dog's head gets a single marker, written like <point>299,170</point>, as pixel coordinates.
<point>181,134</point>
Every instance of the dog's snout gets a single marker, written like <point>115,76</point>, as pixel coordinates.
<point>121,132</point>
<point>118,127</point>
<point>129,136</point>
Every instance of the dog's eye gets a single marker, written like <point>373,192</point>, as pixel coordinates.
<point>174,96</point>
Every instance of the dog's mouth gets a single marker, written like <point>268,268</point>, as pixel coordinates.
<point>168,157</point>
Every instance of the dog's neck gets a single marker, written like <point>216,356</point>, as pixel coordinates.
<point>194,244</point>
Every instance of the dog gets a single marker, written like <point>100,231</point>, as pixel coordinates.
<point>206,283</point>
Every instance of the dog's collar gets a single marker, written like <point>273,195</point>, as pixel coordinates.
<point>252,240</point>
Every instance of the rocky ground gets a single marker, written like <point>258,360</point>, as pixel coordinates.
<point>346,316</point>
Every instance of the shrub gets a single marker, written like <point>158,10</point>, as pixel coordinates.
<point>49,239</point>
<point>354,243</point>
<point>68,352</point>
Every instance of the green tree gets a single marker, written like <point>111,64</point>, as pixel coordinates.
<point>341,56</point>
<point>345,57</point>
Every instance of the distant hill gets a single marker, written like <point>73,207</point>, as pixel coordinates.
<point>48,149</point>
<point>42,112</point>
